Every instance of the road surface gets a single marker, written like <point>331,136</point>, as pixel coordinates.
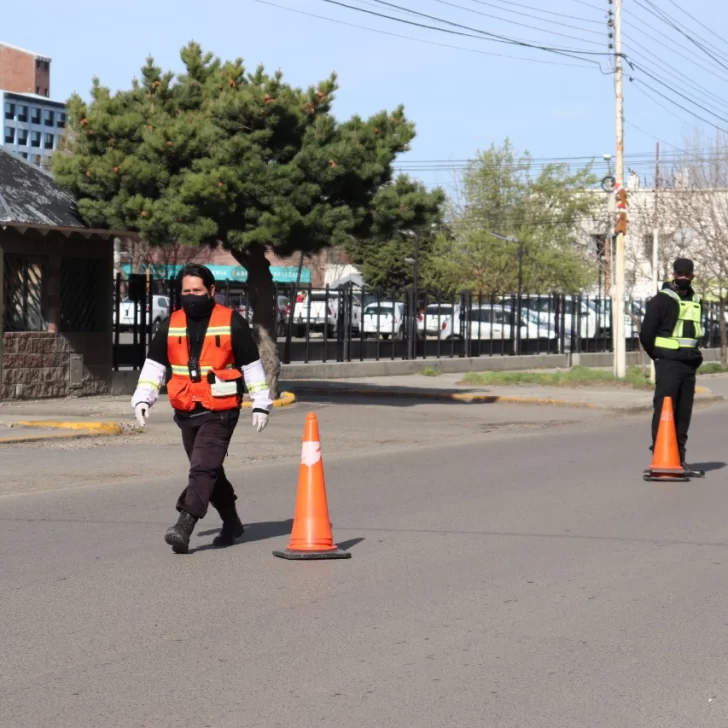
<point>521,577</point>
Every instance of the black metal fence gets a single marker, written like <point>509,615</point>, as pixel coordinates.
<point>349,324</point>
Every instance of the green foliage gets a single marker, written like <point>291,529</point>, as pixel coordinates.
<point>222,154</point>
<point>430,372</point>
<point>501,194</point>
<point>401,207</point>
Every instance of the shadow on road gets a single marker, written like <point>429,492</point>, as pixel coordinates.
<point>253,532</point>
<point>708,467</point>
<point>366,394</point>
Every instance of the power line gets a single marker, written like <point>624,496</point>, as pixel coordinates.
<point>571,53</point>
<point>674,44</point>
<point>538,10</point>
<point>525,25</point>
<point>668,21</point>
<point>693,18</point>
<point>420,40</point>
<point>675,91</point>
<point>667,98</point>
<point>664,64</point>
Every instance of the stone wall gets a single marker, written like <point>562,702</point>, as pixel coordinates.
<point>38,365</point>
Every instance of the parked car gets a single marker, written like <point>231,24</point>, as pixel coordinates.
<point>160,311</point>
<point>441,320</point>
<point>385,319</point>
<point>500,322</point>
<point>319,311</point>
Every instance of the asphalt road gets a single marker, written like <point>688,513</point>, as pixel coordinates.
<point>524,581</point>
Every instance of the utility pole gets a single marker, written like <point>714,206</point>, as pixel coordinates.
<point>620,354</point>
<point>655,240</point>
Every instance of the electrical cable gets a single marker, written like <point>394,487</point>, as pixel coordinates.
<point>420,40</point>
<point>570,53</point>
<point>538,10</point>
<point>525,25</point>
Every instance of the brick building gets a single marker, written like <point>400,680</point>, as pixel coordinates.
<point>24,72</point>
<point>55,290</point>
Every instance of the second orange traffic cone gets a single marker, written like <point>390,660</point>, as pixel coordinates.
<point>311,536</point>
<point>666,463</point>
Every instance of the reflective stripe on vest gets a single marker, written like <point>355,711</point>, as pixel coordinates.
<point>689,310</point>
<point>216,356</point>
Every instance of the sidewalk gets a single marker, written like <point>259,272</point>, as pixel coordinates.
<point>449,387</point>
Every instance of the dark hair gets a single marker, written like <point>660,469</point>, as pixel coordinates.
<point>197,270</point>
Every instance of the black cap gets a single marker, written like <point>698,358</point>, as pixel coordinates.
<point>683,267</point>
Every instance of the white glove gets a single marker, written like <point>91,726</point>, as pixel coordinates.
<point>142,413</point>
<point>260,420</point>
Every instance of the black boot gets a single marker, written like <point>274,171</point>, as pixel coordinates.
<point>232,527</point>
<point>178,536</point>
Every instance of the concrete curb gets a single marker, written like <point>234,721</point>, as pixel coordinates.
<point>285,400</point>
<point>96,428</point>
<point>69,431</point>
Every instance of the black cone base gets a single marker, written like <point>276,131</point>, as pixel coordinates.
<point>311,555</point>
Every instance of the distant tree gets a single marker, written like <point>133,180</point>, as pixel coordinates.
<point>219,155</point>
<point>401,211</point>
<point>502,193</point>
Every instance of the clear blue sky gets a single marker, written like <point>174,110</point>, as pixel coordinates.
<point>461,101</point>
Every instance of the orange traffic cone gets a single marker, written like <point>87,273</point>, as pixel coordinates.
<point>311,536</point>
<point>666,463</point>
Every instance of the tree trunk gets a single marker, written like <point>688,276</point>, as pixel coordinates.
<point>263,302</point>
<point>723,337</point>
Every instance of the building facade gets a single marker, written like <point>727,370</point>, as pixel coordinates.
<point>31,126</point>
<point>24,72</point>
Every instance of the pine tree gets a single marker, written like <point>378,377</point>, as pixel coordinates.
<point>402,207</point>
<point>222,155</point>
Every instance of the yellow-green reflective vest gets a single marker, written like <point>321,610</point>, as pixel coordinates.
<point>690,310</point>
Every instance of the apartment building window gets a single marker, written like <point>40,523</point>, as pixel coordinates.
<point>49,138</point>
<point>49,117</point>
<point>35,139</point>
<point>34,116</point>
<point>23,138</point>
<point>45,92</point>
<point>9,110</point>
<point>22,113</point>
<point>37,159</point>
<point>9,134</point>
<point>24,155</point>
<point>61,120</point>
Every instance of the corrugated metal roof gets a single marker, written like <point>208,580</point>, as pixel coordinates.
<point>29,195</point>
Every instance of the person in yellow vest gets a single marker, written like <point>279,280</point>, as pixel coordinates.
<point>211,351</point>
<point>670,334</point>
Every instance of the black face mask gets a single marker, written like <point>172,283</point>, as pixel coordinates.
<point>197,307</point>
<point>682,284</point>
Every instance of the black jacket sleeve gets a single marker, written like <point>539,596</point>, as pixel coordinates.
<point>158,348</point>
<point>245,350</point>
<point>651,323</point>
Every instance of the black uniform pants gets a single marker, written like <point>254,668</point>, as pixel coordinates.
<point>206,439</point>
<point>674,379</point>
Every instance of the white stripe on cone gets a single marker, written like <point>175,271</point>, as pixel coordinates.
<point>310,453</point>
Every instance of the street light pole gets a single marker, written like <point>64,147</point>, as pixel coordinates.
<point>415,263</point>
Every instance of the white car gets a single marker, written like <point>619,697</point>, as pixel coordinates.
<point>160,311</point>
<point>319,311</point>
<point>384,319</point>
<point>496,322</point>
<point>441,320</point>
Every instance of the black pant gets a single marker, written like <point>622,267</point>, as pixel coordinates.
<point>206,439</point>
<point>674,379</point>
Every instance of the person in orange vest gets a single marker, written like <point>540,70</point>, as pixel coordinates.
<point>211,351</point>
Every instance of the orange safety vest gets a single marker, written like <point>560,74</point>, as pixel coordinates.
<point>216,361</point>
